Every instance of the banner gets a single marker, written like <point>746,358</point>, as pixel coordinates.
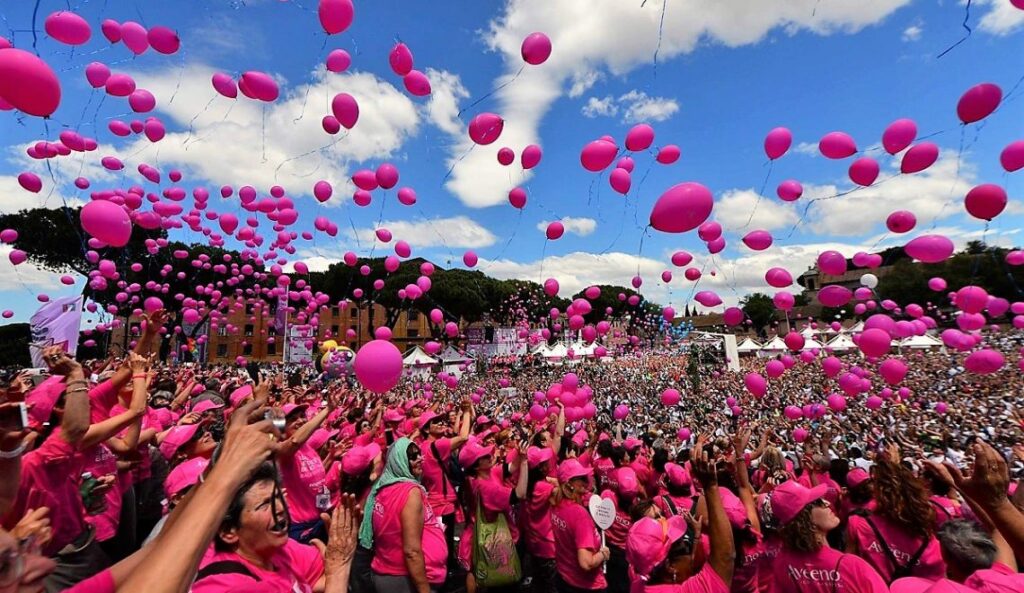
<point>56,323</point>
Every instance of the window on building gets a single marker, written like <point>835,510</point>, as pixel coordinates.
<point>222,350</point>
<point>248,329</point>
<point>353,312</point>
<point>412,332</point>
<point>248,309</point>
<point>271,349</point>
<point>334,330</point>
<point>247,349</point>
<point>414,315</point>
<point>272,330</point>
<point>222,330</point>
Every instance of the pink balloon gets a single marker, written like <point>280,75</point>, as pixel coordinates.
<point>709,231</point>
<point>345,110</point>
<point>530,156</point>
<point>400,59</point>
<point>620,180</point>
<point>417,84</point>
<point>874,342</point>
<point>141,101</point>
<point>670,397</point>
<point>893,370</point>
<point>985,201</point>
<point>901,221</point>
<point>383,235</point>
<point>111,30</point>
<point>836,402</point>
<point>919,157</point>
<point>555,230</point>
<point>260,86</point>
<point>335,15</point>
<point>1012,157</point>
<point>506,155</point>
<point>682,208</point>
<point>784,301</point>
<point>517,197</point>
<point>755,384</point>
<point>978,102</point>
<point>794,341</point>
<point>338,61</point>
<point>163,40</point>
<point>777,142</point>
<point>106,221</point>
<point>135,37</point>
<point>937,284</point>
<point>984,362</point>
<point>228,222</point>
<point>831,365</point>
<point>378,366</point>
<point>789,190</point>
<point>322,191</point>
<point>365,179</point>
<point>30,182</point>
<point>27,83</point>
<point>485,128</point>
<point>733,316</point>
<point>971,299</point>
<point>97,74</point>
<point>930,249</point>
<point>758,240</point>
<point>387,176</point>
<point>225,85</point>
<point>899,135</point>
<point>832,263</point>
<point>864,171</point>
<point>407,196</point>
<point>68,28</point>
<point>536,49</point>
<point>597,155</point>
<point>640,137</point>
<point>837,145</point>
<point>17,257</point>
<point>470,259</point>
<point>778,278</point>
<point>551,287</point>
<point>681,258</point>
<point>708,298</point>
<point>668,154</point>
<point>834,295</point>
<point>120,85</point>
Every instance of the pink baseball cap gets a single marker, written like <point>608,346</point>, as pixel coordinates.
<point>184,475</point>
<point>678,475</point>
<point>176,437</point>
<point>393,415</point>
<point>41,399</point>
<point>472,451</point>
<point>649,541</point>
<point>734,509</point>
<point>163,417</point>
<point>359,459</point>
<point>321,436</point>
<point>481,420</point>
<point>290,409</point>
<point>426,417</point>
<point>632,443</point>
<point>580,438</point>
<point>570,468</point>
<point>627,483</point>
<point>206,405</point>
<point>239,395</point>
<point>920,585</point>
<point>856,477</point>
<point>790,497</point>
<point>538,455</point>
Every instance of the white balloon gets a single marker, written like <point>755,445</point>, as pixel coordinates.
<point>869,280</point>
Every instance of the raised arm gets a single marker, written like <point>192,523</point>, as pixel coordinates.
<point>75,422</point>
<point>412,541</point>
<point>306,430</point>
<point>723,551</point>
<point>987,487</point>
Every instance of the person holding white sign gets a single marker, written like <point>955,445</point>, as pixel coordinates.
<point>580,553</point>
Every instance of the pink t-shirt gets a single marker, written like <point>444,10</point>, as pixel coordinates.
<point>903,546</point>
<point>746,573</point>
<point>616,534</point>
<point>440,492</point>
<point>770,548</point>
<point>602,467</point>
<point>303,477</point>
<point>388,558</point>
<point>101,461</point>
<point>101,582</point>
<point>681,503</point>
<point>998,579</point>
<point>297,568</point>
<point>574,530</point>
<point>49,478</point>
<point>495,498</point>
<point>540,538</point>
<point>945,509</point>
<point>102,398</point>
<point>824,571</point>
<point>705,581</point>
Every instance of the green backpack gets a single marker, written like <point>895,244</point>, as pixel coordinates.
<point>495,561</point>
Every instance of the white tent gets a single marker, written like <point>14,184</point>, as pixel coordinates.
<point>540,349</point>
<point>452,361</point>
<point>581,349</point>
<point>748,345</point>
<point>808,332</point>
<point>856,329</point>
<point>841,343</point>
<point>556,354</point>
<point>917,342</point>
<point>773,347</point>
<point>417,363</point>
<point>812,344</point>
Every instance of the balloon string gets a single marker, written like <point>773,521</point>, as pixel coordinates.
<point>263,133</point>
<point>543,251</point>
<point>307,153</point>
<point>455,164</point>
<point>760,194</point>
<point>181,74</point>
<point>192,121</point>
<point>519,220</point>
<point>496,89</point>
<point>967,17</point>
<point>810,203</point>
<point>305,100</point>
<point>956,178</point>
<point>622,225</point>
<point>35,30</point>
<point>223,119</point>
<point>661,29</point>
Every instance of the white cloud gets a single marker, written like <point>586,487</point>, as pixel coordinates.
<point>1002,17</point>
<point>13,197</point>
<point>807,149</point>
<point>446,91</point>
<point>456,231</point>
<point>243,141</point>
<point>642,108</point>
<point>605,107</point>
<point>576,226</point>
<point>734,209</point>
<point>582,81</point>
<point>614,37</point>
<point>26,274</point>
<point>912,33</point>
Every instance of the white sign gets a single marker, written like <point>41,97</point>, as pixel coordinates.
<point>603,511</point>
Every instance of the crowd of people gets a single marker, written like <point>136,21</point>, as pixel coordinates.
<point>127,474</point>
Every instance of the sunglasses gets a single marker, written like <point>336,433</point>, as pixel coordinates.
<point>413,454</point>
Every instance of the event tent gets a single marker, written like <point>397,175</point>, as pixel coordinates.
<point>919,342</point>
<point>841,343</point>
<point>452,360</point>
<point>812,344</point>
<point>417,362</point>
<point>748,346</point>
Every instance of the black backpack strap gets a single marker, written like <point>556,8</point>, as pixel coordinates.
<point>671,505</point>
<point>225,567</point>
<point>899,570</point>
<point>835,581</point>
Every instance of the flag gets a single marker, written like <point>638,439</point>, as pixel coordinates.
<point>56,323</point>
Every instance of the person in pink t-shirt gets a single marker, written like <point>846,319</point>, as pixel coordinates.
<point>898,537</point>
<point>806,563</point>
<point>627,489</point>
<point>979,560</point>
<point>940,492</point>
<point>302,472</point>
<point>535,520</point>
<point>678,496</point>
<point>665,554</point>
<point>579,552</point>
<point>437,456</point>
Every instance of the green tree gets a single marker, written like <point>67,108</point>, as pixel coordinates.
<point>760,309</point>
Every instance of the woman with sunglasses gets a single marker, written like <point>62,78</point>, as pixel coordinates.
<point>806,563</point>
<point>407,539</point>
<point>437,475</point>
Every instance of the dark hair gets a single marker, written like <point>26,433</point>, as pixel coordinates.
<point>935,485</point>
<point>837,470</point>
<point>618,455</point>
<point>856,453</point>
<point>799,534</point>
<point>267,472</point>
<point>604,448</point>
<point>534,475</point>
<point>639,509</point>
<point>861,493</point>
<point>659,459</point>
<point>538,439</point>
<point>903,499</point>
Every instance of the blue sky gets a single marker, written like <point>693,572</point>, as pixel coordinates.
<point>726,74</point>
